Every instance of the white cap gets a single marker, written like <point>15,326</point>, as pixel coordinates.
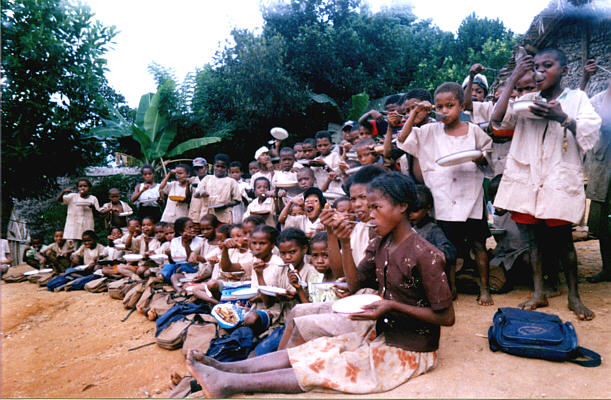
<point>479,79</point>
<point>260,151</point>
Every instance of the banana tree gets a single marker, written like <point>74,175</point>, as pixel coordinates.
<point>153,131</point>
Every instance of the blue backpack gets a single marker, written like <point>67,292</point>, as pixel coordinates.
<point>537,335</point>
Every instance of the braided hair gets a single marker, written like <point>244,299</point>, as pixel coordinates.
<point>398,188</point>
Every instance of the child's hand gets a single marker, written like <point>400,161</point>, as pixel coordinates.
<point>373,311</point>
<point>281,193</point>
<point>270,194</point>
<point>422,106</point>
<point>526,63</point>
<point>375,114</point>
<point>481,160</point>
<point>213,260</point>
<point>285,297</point>
<point>172,172</point>
<point>343,230</point>
<point>393,118</point>
<point>476,69</point>
<point>590,68</point>
<point>67,190</point>
<point>259,266</point>
<point>327,217</point>
<point>231,244</point>
<point>332,176</point>
<point>192,258</point>
<point>346,145</point>
<point>343,167</point>
<point>294,279</point>
<point>551,110</point>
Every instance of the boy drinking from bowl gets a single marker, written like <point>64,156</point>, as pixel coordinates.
<point>220,191</point>
<point>116,211</point>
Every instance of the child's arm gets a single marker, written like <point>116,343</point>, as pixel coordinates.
<point>164,182</point>
<point>378,309</point>
<point>409,124</point>
<point>225,262</point>
<point>375,114</point>
<point>60,197</point>
<point>335,256</point>
<point>500,108</point>
<point>330,178</point>
<point>475,69</point>
<point>588,70</point>
<point>285,212</point>
<point>294,281</point>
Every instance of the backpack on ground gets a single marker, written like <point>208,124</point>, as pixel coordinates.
<point>199,335</point>
<point>537,335</point>
<point>173,325</point>
<point>16,273</point>
<point>133,295</point>
<point>118,289</point>
<point>43,279</point>
<point>232,347</point>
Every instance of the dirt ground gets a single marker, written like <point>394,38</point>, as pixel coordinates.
<point>73,344</point>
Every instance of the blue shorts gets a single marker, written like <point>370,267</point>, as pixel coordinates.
<point>170,269</point>
<point>264,318</point>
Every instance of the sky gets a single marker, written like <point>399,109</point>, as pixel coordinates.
<point>185,34</point>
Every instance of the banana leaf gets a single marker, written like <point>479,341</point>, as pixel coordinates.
<point>192,144</point>
<point>359,106</point>
<point>154,120</point>
<point>162,144</point>
<point>145,101</point>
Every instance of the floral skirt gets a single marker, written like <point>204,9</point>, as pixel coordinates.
<point>351,363</point>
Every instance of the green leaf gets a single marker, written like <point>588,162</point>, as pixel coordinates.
<point>145,143</point>
<point>154,120</point>
<point>192,144</point>
<point>105,132</point>
<point>323,98</point>
<point>145,102</point>
<point>359,106</point>
<point>160,147</point>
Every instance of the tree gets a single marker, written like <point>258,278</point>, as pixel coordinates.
<point>54,91</point>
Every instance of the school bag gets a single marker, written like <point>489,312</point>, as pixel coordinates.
<point>198,335</point>
<point>133,295</point>
<point>232,347</point>
<point>79,283</point>
<point>16,274</point>
<point>537,335</point>
<point>173,325</point>
<point>118,289</point>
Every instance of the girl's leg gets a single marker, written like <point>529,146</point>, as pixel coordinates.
<point>568,260</point>
<point>221,384</point>
<point>534,235</point>
<point>267,362</point>
<point>481,259</point>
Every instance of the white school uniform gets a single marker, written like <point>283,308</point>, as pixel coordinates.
<point>320,173</point>
<point>80,217</point>
<point>543,178</point>
<point>221,191</point>
<point>173,209</point>
<point>457,190</point>
<point>267,205</point>
<point>177,250</point>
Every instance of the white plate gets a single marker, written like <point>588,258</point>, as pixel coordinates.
<point>279,133</point>
<point>459,158</point>
<point>82,204</point>
<point>32,272</point>
<point>98,272</point>
<point>333,195</point>
<point>119,246</point>
<point>286,184</point>
<point>237,273</point>
<point>522,108</point>
<point>81,267</point>
<point>245,294</point>
<point>132,257</point>
<point>159,257</point>
<point>125,214</point>
<point>304,162</point>
<point>354,170</point>
<point>179,260</point>
<point>354,304</point>
<point>271,290</point>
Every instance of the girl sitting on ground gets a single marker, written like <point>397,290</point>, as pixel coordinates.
<point>180,250</point>
<point>408,316</point>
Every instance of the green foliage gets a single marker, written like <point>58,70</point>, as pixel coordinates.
<point>359,106</point>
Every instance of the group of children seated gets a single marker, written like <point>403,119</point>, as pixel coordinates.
<point>375,214</point>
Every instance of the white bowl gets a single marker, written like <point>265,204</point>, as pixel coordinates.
<point>355,303</point>
<point>159,258</point>
<point>279,133</point>
<point>459,157</point>
<point>272,290</point>
<point>132,257</point>
<point>245,294</point>
<point>522,108</point>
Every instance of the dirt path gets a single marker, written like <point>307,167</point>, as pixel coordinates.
<point>73,344</point>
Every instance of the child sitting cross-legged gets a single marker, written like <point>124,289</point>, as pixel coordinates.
<point>57,254</point>
<point>88,255</point>
<point>32,254</point>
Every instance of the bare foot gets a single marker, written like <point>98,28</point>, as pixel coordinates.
<point>211,380</point>
<point>534,302</point>
<point>175,378</point>
<point>484,298</point>
<point>579,309</point>
<point>198,356</point>
<point>549,291</point>
<point>151,315</point>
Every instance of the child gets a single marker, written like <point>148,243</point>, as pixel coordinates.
<point>314,201</point>
<point>266,167</point>
<point>235,173</point>
<point>235,257</point>
<point>326,163</point>
<point>111,255</point>
<point>80,210</point>
<point>253,168</point>
<point>168,235</point>
<point>457,190</point>
<point>146,195</point>
<point>372,122</point>
<point>32,254</point>
<point>298,149</point>
<point>404,331</point>
<point>263,205</point>
<point>57,255</point>
<point>130,240</point>
<point>179,193</point>
<point>286,178</point>
<point>268,270</point>
<point>426,227</point>
<point>543,181</point>
<point>200,166</point>
<point>305,179</point>
<point>365,153</point>
<point>308,149</point>
<point>292,212</point>
<point>293,245</point>
<point>116,211</point>
<point>88,254</point>
<point>5,256</point>
<point>320,260</point>
<point>180,250</point>
<point>220,191</point>
<point>208,252</point>
<point>147,244</point>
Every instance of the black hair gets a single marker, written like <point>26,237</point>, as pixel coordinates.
<point>149,218</point>
<point>392,99</point>
<point>212,219</point>
<point>145,167</point>
<point>37,236</point>
<point>355,128</point>
<point>287,150</point>
<point>364,175</point>
<point>293,234</point>
<point>179,225</point>
<point>134,219</point>
<point>316,192</point>
<point>336,202</point>
<point>91,234</point>
<point>185,167</point>
<point>235,164</point>
<point>366,124</point>
<point>559,54</point>
<point>161,224</point>
<point>493,187</point>
<point>234,226</point>
<point>320,237</point>
<point>252,162</point>
<point>112,228</point>
<point>309,170</point>
<point>365,142</point>
<point>225,229</point>
<point>398,188</point>
<point>454,88</point>
<point>310,141</point>
<point>323,135</point>
<point>298,144</point>
<point>424,197</point>
<point>272,233</point>
<point>87,181</point>
<point>222,157</point>
<point>262,178</point>
<point>255,219</point>
<point>418,93</point>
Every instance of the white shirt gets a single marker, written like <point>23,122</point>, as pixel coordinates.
<point>320,173</point>
<point>541,177</point>
<point>359,240</point>
<point>177,250</point>
<point>266,205</point>
<point>5,251</point>
<point>457,190</point>
<point>303,222</point>
<point>150,196</point>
